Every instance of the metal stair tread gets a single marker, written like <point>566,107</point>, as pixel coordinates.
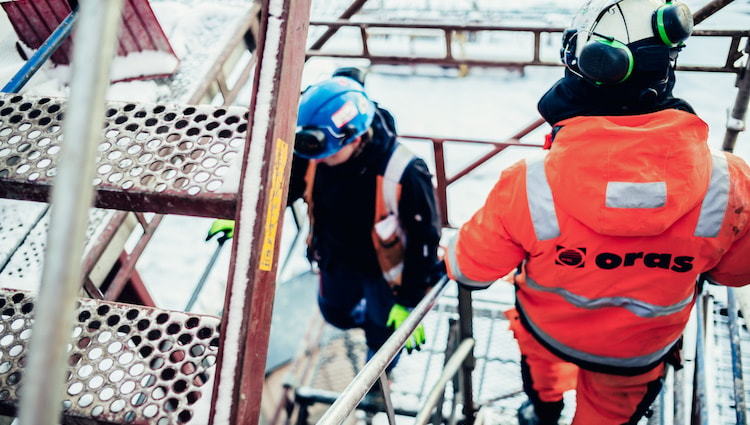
<point>164,158</point>
<point>126,363</point>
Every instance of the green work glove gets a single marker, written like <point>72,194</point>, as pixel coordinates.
<point>396,318</point>
<point>225,227</point>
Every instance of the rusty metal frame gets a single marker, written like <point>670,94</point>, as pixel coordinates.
<point>127,268</point>
<point>443,181</point>
<point>251,282</point>
<point>449,59</point>
<point>215,76</point>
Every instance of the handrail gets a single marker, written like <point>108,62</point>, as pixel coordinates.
<point>736,354</point>
<point>50,46</point>
<point>445,32</point>
<point>451,368</point>
<point>373,369</point>
<point>72,197</point>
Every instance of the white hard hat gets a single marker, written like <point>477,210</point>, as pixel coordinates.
<point>607,27</point>
<point>629,21</point>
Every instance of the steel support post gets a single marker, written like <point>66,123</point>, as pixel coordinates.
<point>736,120</point>
<point>466,332</point>
<point>246,323</point>
<point>72,197</point>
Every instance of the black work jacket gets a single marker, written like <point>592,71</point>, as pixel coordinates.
<point>343,211</point>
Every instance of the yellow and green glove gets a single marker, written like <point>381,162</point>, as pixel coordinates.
<point>396,318</point>
<point>225,227</point>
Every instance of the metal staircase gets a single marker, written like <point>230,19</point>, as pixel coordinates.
<point>129,363</point>
<point>192,153</point>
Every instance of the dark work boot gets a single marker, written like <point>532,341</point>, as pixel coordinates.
<point>546,413</point>
<point>526,414</point>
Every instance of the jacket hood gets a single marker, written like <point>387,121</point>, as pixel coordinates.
<point>591,155</point>
<point>572,96</point>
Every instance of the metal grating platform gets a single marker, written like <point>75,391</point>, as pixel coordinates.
<point>127,364</point>
<point>23,239</point>
<point>212,24</point>
<point>159,158</point>
<point>496,380</point>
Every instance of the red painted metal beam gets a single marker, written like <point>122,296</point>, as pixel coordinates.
<point>251,284</point>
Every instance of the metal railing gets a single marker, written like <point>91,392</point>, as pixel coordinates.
<point>375,368</point>
<point>674,406</point>
<point>453,36</point>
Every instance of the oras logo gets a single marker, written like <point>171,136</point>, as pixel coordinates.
<point>571,257</point>
<point>576,258</point>
<point>677,263</point>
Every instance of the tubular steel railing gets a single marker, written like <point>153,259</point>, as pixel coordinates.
<point>452,35</point>
<point>375,368</point>
<point>677,404</point>
<point>451,368</point>
<point>71,200</point>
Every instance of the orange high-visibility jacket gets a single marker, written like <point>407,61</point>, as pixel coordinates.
<point>613,226</point>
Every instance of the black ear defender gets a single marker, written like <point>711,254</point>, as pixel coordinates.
<point>604,60</point>
<point>672,23</point>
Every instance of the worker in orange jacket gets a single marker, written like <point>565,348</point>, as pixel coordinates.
<point>612,227</point>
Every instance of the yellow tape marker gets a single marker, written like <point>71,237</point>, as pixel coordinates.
<point>275,201</point>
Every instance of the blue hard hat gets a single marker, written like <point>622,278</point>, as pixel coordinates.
<point>331,115</point>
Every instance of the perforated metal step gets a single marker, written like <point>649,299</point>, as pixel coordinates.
<point>126,364</point>
<point>174,159</point>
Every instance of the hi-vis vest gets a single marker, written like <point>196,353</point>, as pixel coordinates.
<point>388,236</point>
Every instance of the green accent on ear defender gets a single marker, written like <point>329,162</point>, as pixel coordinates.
<point>624,48</point>
<point>660,29</point>
<point>606,61</point>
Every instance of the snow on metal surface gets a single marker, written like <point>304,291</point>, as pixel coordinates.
<point>126,364</point>
<point>23,237</point>
<point>197,31</point>
<point>251,187</point>
<point>151,157</point>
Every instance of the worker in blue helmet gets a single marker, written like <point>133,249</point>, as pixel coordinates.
<point>377,257</point>
<point>344,145</point>
<point>332,115</point>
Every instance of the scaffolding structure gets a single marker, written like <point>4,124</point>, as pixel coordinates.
<point>118,358</point>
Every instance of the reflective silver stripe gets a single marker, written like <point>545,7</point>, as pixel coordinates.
<point>635,306</point>
<point>541,205</point>
<point>394,274</point>
<point>715,202</point>
<point>457,273</point>
<point>636,195</point>
<point>397,164</point>
<point>639,361</point>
